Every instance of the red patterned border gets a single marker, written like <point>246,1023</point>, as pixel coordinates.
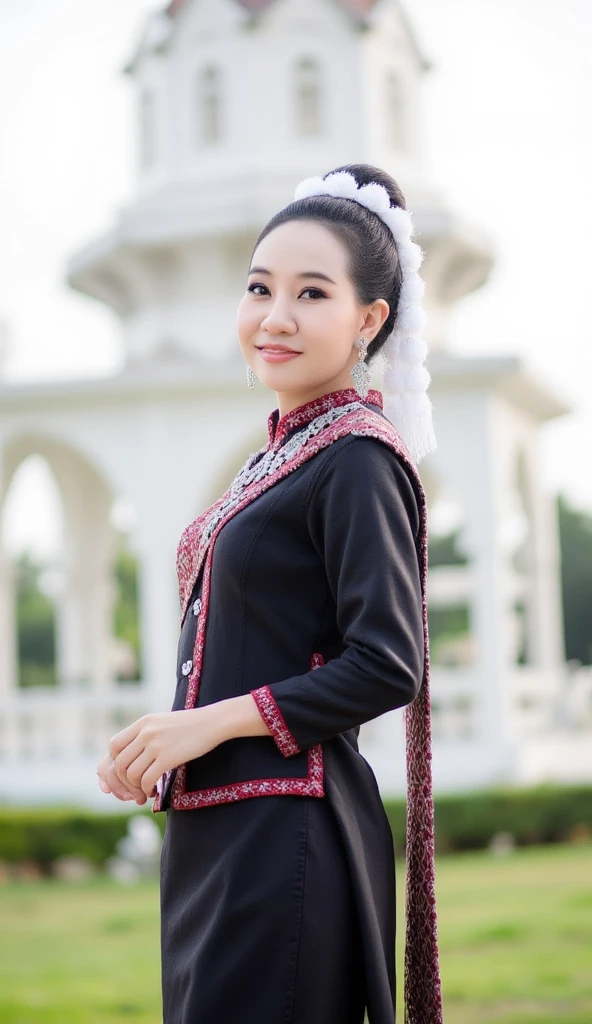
<point>191,556</point>
<point>312,785</point>
<point>278,426</point>
<point>272,716</point>
<point>274,720</point>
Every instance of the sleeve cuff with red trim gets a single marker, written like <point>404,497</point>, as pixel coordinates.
<point>274,720</point>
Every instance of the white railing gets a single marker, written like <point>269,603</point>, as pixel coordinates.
<point>52,725</point>
<point>71,723</point>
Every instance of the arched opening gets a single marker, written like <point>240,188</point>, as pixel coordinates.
<point>208,103</point>
<point>453,652</point>
<point>126,645</point>
<point>32,528</point>
<point>231,465</point>
<point>69,581</point>
<point>308,98</point>
<point>451,636</point>
<point>69,630</point>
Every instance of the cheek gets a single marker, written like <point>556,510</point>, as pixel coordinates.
<point>332,327</point>
<point>246,319</point>
<point>337,315</point>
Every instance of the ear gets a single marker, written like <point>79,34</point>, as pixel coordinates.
<point>374,317</point>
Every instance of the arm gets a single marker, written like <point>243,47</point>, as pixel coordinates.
<point>363,520</point>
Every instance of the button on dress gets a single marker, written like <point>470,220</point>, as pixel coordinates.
<point>277,866</point>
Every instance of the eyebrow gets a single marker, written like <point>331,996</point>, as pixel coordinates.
<point>305,273</point>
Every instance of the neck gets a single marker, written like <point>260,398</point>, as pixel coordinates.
<point>289,400</point>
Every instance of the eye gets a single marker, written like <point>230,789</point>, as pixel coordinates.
<point>317,293</point>
<point>252,287</point>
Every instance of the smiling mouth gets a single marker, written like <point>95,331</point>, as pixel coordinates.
<point>276,348</point>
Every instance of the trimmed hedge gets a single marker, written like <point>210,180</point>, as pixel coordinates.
<point>42,835</point>
<point>467,821</point>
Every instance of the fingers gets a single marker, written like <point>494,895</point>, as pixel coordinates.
<point>137,770</point>
<point>123,790</point>
<point>122,739</point>
<point>109,782</point>
<point>102,769</point>
<point>150,778</point>
<point>126,757</point>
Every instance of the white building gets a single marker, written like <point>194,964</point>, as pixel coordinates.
<point>237,100</point>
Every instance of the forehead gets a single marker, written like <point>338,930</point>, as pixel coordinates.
<point>299,245</point>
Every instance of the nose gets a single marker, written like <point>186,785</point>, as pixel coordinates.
<point>279,319</point>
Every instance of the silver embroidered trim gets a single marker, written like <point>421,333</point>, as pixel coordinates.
<point>265,462</point>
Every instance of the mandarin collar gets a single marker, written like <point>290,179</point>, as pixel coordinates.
<point>279,427</point>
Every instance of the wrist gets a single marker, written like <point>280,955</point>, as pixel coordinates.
<point>215,718</point>
<point>236,717</point>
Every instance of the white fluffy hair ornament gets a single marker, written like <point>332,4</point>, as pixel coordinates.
<point>405,378</point>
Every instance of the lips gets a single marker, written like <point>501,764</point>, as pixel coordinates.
<point>276,348</point>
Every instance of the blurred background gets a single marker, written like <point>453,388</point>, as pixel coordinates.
<point>143,146</point>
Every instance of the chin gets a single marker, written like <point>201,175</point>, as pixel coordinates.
<point>279,377</point>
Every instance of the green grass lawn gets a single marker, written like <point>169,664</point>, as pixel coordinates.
<point>515,937</point>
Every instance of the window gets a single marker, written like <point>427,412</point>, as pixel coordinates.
<point>395,112</point>
<point>209,106</point>
<point>147,129</point>
<point>307,97</point>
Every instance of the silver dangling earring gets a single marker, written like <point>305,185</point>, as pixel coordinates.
<point>252,377</point>
<point>360,374</point>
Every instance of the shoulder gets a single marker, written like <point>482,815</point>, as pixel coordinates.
<point>362,469</point>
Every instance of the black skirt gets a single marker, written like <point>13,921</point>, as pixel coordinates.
<point>258,918</point>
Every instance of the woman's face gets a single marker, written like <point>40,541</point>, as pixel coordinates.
<point>299,296</point>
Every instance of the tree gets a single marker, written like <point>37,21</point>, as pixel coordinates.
<point>126,611</point>
<point>36,620</point>
<point>575,542</point>
<point>35,626</point>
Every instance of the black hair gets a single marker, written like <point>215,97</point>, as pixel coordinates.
<point>373,262</point>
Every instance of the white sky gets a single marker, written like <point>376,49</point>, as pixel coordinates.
<point>507,138</point>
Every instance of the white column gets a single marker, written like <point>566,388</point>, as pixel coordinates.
<point>163,491</point>
<point>103,596</point>
<point>159,614</point>
<point>8,633</point>
<point>546,612</point>
<point>470,461</point>
<point>85,607</point>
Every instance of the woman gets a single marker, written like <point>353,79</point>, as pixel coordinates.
<point>303,616</point>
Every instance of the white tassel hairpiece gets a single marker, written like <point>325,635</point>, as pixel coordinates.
<point>406,379</point>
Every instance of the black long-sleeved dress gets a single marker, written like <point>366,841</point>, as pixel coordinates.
<point>302,586</point>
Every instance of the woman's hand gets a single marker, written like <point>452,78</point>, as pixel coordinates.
<point>140,754</point>
<point>110,783</point>
<point>156,743</point>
